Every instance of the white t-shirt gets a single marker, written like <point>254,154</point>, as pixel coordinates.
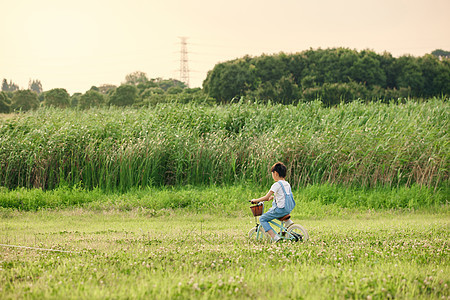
<point>279,199</point>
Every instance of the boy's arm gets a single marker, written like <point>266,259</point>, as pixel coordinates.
<point>267,197</point>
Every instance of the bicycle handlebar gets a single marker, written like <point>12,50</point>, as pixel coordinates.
<point>259,203</point>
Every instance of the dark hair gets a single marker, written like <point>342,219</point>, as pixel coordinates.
<point>280,168</point>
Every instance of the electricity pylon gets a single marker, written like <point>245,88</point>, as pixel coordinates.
<point>184,67</point>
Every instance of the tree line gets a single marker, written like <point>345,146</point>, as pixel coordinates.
<point>137,91</point>
<point>332,75</point>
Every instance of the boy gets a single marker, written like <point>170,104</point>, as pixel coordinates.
<point>280,205</point>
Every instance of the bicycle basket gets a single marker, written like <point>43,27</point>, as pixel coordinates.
<point>257,210</point>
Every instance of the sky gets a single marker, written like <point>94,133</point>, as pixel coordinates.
<point>76,44</point>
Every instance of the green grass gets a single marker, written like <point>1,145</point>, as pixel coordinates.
<point>355,144</point>
<point>224,199</point>
<point>180,254</point>
<point>153,202</point>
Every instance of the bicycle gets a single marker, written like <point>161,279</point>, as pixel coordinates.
<point>294,232</point>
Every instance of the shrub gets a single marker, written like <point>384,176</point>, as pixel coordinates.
<point>57,98</point>
<point>24,100</point>
<point>5,103</point>
<point>91,99</point>
<point>124,95</point>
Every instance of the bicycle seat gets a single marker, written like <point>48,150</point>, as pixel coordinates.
<point>284,218</point>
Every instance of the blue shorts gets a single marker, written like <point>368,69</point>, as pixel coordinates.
<point>271,214</point>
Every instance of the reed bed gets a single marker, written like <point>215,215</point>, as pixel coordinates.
<point>355,144</point>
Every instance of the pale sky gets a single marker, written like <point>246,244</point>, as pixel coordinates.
<point>74,44</point>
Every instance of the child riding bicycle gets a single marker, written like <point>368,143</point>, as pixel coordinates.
<point>283,201</point>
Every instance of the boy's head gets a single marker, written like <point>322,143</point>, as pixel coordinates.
<point>280,168</point>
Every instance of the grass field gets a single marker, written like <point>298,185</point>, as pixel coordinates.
<point>151,203</point>
<point>355,144</point>
<point>179,254</point>
<point>227,199</point>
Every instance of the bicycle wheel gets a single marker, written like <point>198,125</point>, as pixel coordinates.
<point>299,232</point>
<point>262,235</point>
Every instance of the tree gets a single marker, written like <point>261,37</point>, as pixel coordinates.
<point>9,87</point>
<point>75,99</point>
<point>5,103</point>
<point>57,98</point>
<point>280,77</point>
<point>35,86</point>
<point>270,67</point>
<point>124,95</point>
<point>330,65</point>
<point>135,78</point>
<point>410,75</point>
<point>387,63</point>
<point>106,88</point>
<point>231,79</point>
<point>441,82</point>
<point>147,93</point>
<point>429,66</point>
<point>335,93</point>
<point>308,82</point>
<point>24,100</point>
<point>165,84</point>
<point>441,53</point>
<point>91,99</point>
<point>287,90</point>
<point>5,85</point>
<point>367,70</point>
<point>264,92</point>
<point>174,90</point>
<point>149,84</point>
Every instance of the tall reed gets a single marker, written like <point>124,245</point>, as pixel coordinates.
<point>355,144</point>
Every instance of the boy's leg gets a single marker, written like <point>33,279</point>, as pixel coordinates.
<point>264,219</point>
<point>269,216</point>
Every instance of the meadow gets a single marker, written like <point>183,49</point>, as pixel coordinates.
<point>152,203</point>
<point>191,242</point>
<point>181,254</point>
